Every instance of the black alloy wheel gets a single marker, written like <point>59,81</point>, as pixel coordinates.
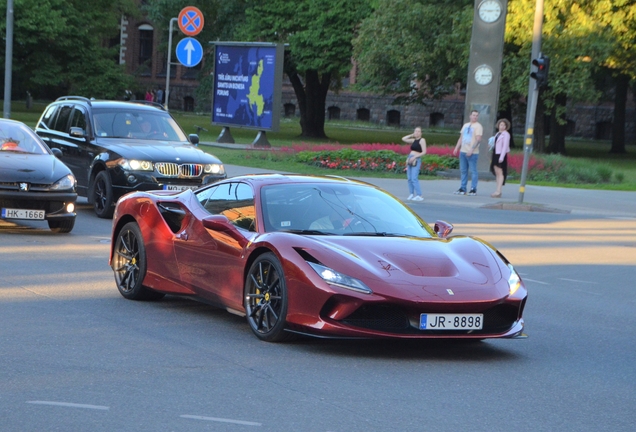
<point>129,264</point>
<point>266,299</point>
<point>102,196</point>
<point>61,226</point>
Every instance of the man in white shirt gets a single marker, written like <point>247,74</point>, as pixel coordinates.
<point>468,148</point>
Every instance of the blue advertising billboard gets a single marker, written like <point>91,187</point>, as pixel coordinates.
<point>247,85</point>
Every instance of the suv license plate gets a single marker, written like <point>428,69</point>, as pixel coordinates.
<point>178,187</point>
<point>451,321</point>
<point>9,213</point>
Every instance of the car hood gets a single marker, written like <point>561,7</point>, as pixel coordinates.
<point>425,268</point>
<point>31,168</point>
<point>158,151</point>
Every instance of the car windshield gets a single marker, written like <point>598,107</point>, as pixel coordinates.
<point>137,124</point>
<point>16,137</point>
<point>338,209</point>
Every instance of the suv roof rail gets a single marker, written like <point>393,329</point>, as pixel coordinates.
<point>82,98</point>
<point>152,103</point>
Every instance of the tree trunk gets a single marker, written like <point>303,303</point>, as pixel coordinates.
<point>312,100</point>
<point>620,105</point>
<point>558,125</point>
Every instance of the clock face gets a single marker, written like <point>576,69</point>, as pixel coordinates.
<point>483,75</point>
<point>489,10</point>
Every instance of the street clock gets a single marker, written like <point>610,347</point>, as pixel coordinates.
<point>489,10</point>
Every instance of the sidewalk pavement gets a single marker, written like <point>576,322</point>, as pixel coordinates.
<point>616,204</point>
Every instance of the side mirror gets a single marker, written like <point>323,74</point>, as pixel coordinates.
<point>442,229</point>
<point>57,152</point>
<point>194,138</point>
<point>77,132</point>
<point>217,223</point>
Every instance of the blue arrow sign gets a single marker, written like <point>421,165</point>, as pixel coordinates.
<point>189,52</point>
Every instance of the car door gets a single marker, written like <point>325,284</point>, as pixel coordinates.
<point>80,151</point>
<point>212,261</point>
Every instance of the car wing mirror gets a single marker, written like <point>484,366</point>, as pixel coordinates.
<point>77,132</point>
<point>222,224</point>
<point>57,152</point>
<point>194,139</point>
<point>442,228</point>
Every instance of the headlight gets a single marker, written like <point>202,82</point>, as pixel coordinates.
<point>213,169</point>
<point>514,281</point>
<point>334,278</point>
<point>65,183</point>
<point>136,165</point>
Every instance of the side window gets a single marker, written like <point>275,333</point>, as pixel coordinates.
<point>78,118</point>
<point>48,120</point>
<point>233,200</point>
<point>61,124</point>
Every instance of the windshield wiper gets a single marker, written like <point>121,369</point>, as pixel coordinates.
<point>376,234</point>
<point>306,232</point>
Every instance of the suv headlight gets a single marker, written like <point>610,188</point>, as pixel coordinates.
<point>338,279</point>
<point>65,183</point>
<point>213,169</point>
<point>136,165</point>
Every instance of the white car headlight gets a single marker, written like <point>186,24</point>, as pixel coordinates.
<point>136,165</point>
<point>65,183</point>
<point>213,169</point>
<point>514,281</point>
<point>338,279</point>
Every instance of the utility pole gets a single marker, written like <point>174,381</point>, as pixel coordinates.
<point>8,61</point>
<point>533,96</point>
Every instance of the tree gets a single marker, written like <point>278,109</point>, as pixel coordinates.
<point>318,56</point>
<point>417,48</point>
<point>61,47</point>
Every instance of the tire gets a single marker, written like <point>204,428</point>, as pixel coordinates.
<point>266,299</point>
<point>62,226</point>
<point>102,195</point>
<point>129,264</point>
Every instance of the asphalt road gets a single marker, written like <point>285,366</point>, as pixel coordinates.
<point>76,356</point>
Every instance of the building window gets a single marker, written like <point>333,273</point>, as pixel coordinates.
<point>146,40</point>
<point>363,114</point>
<point>290,110</point>
<point>188,103</point>
<point>334,113</point>
<point>393,118</point>
<point>436,120</point>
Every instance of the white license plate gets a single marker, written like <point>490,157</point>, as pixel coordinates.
<point>178,187</point>
<point>451,321</point>
<point>9,213</point>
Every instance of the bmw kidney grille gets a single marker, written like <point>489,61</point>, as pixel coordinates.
<point>168,169</point>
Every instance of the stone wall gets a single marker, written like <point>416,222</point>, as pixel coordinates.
<point>584,121</point>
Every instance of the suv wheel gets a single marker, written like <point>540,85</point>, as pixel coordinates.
<point>102,195</point>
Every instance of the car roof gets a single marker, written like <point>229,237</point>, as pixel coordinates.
<point>271,179</point>
<point>115,104</point>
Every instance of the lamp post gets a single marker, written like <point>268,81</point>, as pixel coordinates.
<point>8,60</point>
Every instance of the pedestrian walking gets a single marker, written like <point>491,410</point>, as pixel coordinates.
<point>468,148</point>
<point>414,162</point>
<point>499,161</point>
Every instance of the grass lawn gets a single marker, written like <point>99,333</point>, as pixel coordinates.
<point>586,152</point>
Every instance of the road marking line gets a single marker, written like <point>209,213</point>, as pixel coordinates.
<point>70,405</point>
<point>578,281</point>
<point>536,281</point>
<point>216,419</point>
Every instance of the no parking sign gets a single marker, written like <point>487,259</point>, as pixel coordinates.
<point>191,21</point>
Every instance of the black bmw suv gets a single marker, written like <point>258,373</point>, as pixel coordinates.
<point>116,147</point>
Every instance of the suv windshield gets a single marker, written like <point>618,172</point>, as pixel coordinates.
<point>17,138</point>
<point>138,124</point>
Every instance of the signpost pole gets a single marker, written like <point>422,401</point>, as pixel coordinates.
<point>8,61</point>
<point>533,95</point>
<point>167,93</point>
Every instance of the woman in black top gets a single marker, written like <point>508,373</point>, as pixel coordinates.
<point>414,162</point>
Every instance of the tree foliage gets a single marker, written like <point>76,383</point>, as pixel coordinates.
<point>319,35</point>
<point>417,47</point>
<point>60,47</point>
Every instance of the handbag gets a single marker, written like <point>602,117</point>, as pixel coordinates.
<point>491,143</point>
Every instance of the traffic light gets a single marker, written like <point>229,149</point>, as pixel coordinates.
<point>543,67</point>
